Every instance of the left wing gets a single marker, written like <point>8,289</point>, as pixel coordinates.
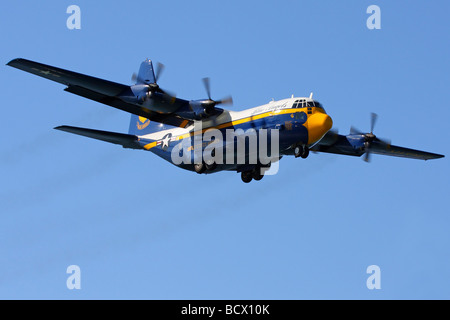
<point>396,151</point>
<point>103,91</point>
<point>69,78</point>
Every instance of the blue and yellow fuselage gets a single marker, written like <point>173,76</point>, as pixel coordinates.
<point>303,124</point>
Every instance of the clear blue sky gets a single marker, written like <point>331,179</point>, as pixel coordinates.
<point>139,227</point>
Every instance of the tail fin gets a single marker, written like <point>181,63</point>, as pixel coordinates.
<point>146,73</point>
<point>140,126</point>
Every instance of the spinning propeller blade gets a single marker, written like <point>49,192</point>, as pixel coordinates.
<point>370,137</point>
<point>159,69</point>
<point>210,103</point>
<point>154,87</point>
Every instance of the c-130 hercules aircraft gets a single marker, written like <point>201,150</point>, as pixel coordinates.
<point>159,119</point>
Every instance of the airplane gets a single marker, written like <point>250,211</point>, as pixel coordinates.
<point>160,120</point>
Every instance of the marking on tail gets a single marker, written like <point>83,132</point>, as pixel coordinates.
<point>142,123</point>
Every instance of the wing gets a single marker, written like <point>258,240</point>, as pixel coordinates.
<point>103,91</point>
<point>352,146</point>
<point>338,144</point>
<point>396,151</point>
<point>69,78</point>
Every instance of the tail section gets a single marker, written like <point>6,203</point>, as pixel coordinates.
<point>125,140</point>
<point>140,126</point>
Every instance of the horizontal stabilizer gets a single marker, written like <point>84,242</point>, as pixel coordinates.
<point>125,140</point>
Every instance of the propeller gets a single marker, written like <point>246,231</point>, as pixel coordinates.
<point>370,137</point>
<point>159,69</point>
<point>210,103</point>
<point>154,87</point>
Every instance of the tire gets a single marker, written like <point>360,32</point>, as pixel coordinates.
<point>256,174</point>
<point>298,151</point>
<point>305,153</point>
<point>211,167</point>
<point>199,167</point>
<point>246,176</point>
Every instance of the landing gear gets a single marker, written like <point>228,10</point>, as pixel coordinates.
<point>301,151</point>
<point>200,167</point>
<point>246,176</point>
<point>210,163</point>
<point>305,152</point>
<point>210,166</point>
<point>256,174</point>
<point>250,175</point>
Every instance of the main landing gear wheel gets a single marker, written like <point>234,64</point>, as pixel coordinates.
<point>256,174</point>
<point>210,163</point>
<point>211,166</point>
<point>202,167</point>
<point>301,151</point>
<point>199,167</point>
<point>246,176</point>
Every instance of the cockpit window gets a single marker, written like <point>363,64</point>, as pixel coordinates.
<point>302,103</point>
<point>319,105</point>
<point>299,103</point>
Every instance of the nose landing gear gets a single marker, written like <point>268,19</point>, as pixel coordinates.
<point>301,151</point>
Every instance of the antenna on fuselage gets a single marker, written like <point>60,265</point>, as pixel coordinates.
<point>310,95</point>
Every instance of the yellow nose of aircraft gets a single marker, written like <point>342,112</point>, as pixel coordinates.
<point>318,124</point>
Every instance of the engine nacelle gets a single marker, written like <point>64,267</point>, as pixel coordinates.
<point>141,92</point>
<point>142,96</point>
<point>201,109</point>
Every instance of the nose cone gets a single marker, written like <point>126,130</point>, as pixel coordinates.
<point>318,125</point>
